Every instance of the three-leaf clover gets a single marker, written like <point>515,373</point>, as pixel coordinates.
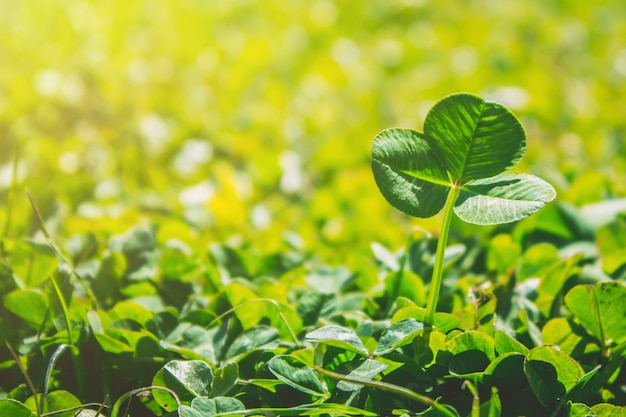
<point>459,164</point>
<point>467,144</point>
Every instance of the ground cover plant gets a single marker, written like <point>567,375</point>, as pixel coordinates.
<point>190,224</point>
<point>141,324</point>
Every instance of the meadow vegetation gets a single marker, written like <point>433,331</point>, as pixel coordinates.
<point>190,225</point>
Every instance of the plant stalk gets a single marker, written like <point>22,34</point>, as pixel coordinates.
<point>9,203</point>
<point>437,279</point>
<point>79,368</point>
<point>395,389</point>
<point>398,280</point>
<point>264,300</point>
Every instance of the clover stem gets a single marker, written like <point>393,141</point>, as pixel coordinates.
<point>437,279</point>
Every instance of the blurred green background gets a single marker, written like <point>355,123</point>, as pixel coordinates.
<point>246,121</point>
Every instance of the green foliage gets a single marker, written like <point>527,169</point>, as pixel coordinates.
<point>207,239</point>
<point>467,144</point>
<point>457,164</point>
<point>540,335</point>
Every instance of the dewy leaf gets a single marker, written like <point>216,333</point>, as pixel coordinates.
<point>475,138</point>
<point>367,370</point>
<point>444,322</point>
<point>209,407</point>
<point>255,338</point>
<point>339,337</point>
<point>315,409</point>
<point>188,379</point>
<point>398,334</point>
<point>186,411</point>
<point>296,374</point>
<point>600,309</point>
<point>408,173</point>
<point>503,199</point>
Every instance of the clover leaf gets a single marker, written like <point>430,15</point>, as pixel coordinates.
<point>459,164</point>
<point>468,143</point>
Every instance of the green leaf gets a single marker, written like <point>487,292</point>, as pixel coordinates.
<point>470,352</point>
<point>581,410</point>
<point>609,410</point>
<point>467,143</point>
<point>502,254</point>
<point>30,305</point>
<point>200,343</point>
<point>601,213</point>
<point>210,407</point>
<point>268,384</point>
<point>90,413</point>
<point>551,373</point>
<point>536,259</point>
<point>468,362</point>
<point>549,297</point>
<point>313,304</point>
<point>406,284</point>
<point>543,379</point>
<point>255,338</point>
<point>367,370</point>
<point>32,263</point>
<point>506,372</point>
<point>475,138</point>
<point>611,242</point>
<point>316,409</point>
<point>108,279</point>
<point>444,322</point>
<point>188,379</point>
<point>560,332</point>
<point>14,408</point>
<point>296,374</point>
<point>472,340</point>
<point>184,411</point>
<point>55,401</point>
<point>225,379</point>
<point>408,173</point>
<point>253,312</point>
<point>600,309</point>
<point>484,308</point>
<point>396,335</point>
<point>163,323</point>
<point>137,245</point>
<point>593,381</point>
<point>504,198</point>
<point>339,337</point>
<point>124,310</point>
<point>111,345</point>
<point>427,346</point>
